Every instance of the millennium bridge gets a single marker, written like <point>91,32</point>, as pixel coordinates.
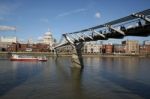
<point>135,24</point>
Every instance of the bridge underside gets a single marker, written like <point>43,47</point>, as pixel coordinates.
<point>141,31</point>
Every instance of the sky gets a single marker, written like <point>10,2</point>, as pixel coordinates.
<point>33,18</point>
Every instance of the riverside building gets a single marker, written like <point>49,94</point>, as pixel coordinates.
<point>5,41</point>
<point>91,47</point>
<point>131,46</point>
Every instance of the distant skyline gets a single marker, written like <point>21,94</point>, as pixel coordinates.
<point>32,18</point>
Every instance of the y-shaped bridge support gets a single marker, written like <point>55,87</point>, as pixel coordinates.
<point>77,59</point>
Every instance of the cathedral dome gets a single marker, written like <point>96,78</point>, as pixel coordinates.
<point>48,38</point>
<point>48,33</point>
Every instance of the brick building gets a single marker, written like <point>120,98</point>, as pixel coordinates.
<point>109,49</point>
<point>144,49</point>
<point>14,47</point>
<point>119,48</point>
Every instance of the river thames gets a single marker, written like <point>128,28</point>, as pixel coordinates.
<point>101,78</point>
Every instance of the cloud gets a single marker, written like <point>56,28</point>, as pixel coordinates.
<point>98,15</point>
<point>4,9</point>
<point>7,28</point>
<point>7,8</point>
<point>44,20</point>
<point>4,19</point>
<point>72,12</point>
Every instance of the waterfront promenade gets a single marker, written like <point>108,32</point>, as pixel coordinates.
<point>52,54</point>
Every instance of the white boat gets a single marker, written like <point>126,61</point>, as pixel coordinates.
<point>27,58</point>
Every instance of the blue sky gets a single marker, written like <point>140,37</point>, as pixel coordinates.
<point>33,17</point>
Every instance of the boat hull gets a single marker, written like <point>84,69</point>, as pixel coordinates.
<point>28,60</point>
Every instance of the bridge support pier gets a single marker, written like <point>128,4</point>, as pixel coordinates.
<point>77,59</point>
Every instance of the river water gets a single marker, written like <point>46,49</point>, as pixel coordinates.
<point>101,78</point>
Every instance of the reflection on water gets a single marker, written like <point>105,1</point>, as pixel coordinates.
<point>101,78</point>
